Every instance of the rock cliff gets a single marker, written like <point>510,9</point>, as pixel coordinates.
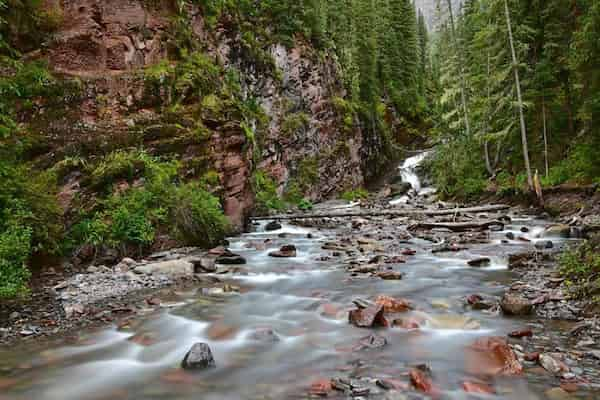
<point>103,48</point>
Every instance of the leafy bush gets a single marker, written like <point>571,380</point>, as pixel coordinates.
<point>305,205</point>
<point>355,194</point>
<point>581,166</point>
<point>198,216</point>
<point>265,190</point>
<point>580,265</point>
<point>15,249</point>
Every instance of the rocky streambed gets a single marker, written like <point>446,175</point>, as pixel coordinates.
<point>372,306</point>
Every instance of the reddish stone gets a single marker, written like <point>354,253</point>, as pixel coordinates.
<point>521,333</point>
<point>531,356</point>
<point>153,301</point>
<point>492,356</point>
<point>330,310</point>
<point>421,381</point>
<point>369,317</point>
<point>395,260</point>
<point>409,252</point>
<point>6,383</point>
<point>321,387</point>
<point>392,305</point>
<point>481,388</point>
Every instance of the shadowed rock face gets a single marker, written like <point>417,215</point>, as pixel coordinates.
<point>106,43</point>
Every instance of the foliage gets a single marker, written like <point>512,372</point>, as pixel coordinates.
<point>15,249</point>
<point>199,219</point>
<point>355,194</point>
<point>266,194</point>
<point>294,122</point>
<point>580,265</point>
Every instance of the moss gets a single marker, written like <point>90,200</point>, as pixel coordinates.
<point>355,194</point>
<point>308,173</point>
<point>580,265</point>
<point>294,123</point>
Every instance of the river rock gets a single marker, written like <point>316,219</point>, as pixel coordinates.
<point>371,342</point>
<point>480,302</point>
<point>172,267</point>
<point>392,305</point>
<point>477,388</point>
<point>400,188</point>
<point>479,262</point>
<point>421,381</point>
<point>514,304</point>
<point>272,226</point>
<point>230,259</point>
<point>198,357</point>
<point>558,394</point>
<point>265,335</point>
<point>492,356</point>
<point>551,364</point>
<point>369,317</point>
<point>390,275</point>
<point>203,264</point>
<point>510,236</point>
<point>544,244</point>
<point>287,251</point>
<point>558,230</point>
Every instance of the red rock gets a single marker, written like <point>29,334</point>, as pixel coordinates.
<point>531,356</point>
<point>392,305</point>
<point>521,333</point>
<point>6,383</point>
<point>330,310</point>
<point>369,317</point>
<point>153,301</point>
<point>217,251</point>
<point>492,356</point>
<point>480,388</point>
<point>409,252</point>
<point>321,387</point>
<point>421,381</point>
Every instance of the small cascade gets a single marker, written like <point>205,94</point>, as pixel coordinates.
<point>408,170</point>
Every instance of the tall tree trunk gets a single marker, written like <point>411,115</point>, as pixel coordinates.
<point>545,136</point>
<point>463,95</point>
<point>519,98</point>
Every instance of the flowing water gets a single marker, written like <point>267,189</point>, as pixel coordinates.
<point>305,302</point>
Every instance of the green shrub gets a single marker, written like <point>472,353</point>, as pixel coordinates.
<point>15,249</point>
<point>265,191</point>
<point>292,123</point>
<point>305,205</point>
<point>355,194</point>
<point>198,217</point>
<point>580,265</point>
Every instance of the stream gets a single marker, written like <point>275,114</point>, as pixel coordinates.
<point>288,326</point>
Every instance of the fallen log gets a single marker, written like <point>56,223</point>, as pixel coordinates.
<point>383,213</point>
<point>456,226</point>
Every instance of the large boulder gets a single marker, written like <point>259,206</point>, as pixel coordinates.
<point>514,304</point>
<point>492,356</point>
<point>287,251</point>
<point>203,264</point>
<point>229,258</point>
<point>199,357</point>
<point>272,226</point>
<point>172,267</point>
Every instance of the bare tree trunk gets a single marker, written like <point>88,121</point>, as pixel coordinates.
<point>486,145</point>
<point>519,99</point>
<point>463,95</point>
<point>545,135</point>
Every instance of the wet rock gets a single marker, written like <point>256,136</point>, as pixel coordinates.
<point>173,267</point>
<point>372,342</point>
<point>229,258</point>
<point>559,230</point>
<point>532,357</point>
<point>514,304</point>
<point>265,335</point>
<point>477,388</point>
<point>510,236</point>
<point>409,252</point>
<point>73,310</point>
<point>321,387</point>
<point>203,264</point>
<point>524,229</point>
<point>480,262</point>
<point>546,244</point>
<point>492,356</point>
<point>479,302</point>
<point>521,333</point>
<point>198,357</point>
<point>390,275</point>
<point>369,317</point>
<point>350,387</point>
<point>272,226</point>
<point>392,384</point>
<point>407,323</point>
<point>551,364</point>
<point>519,260</point>
<point>421,381</point>
<point>393,305</point>
<point>287,251</point>
<point>14,315</point>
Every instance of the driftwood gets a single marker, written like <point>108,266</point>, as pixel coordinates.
<point>390,213</point>
<point>456,226</point>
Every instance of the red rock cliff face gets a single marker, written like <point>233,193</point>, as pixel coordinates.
<point>106,43</point>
